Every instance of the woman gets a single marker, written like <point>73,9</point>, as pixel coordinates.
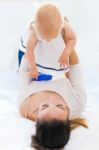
<point>54,105</point>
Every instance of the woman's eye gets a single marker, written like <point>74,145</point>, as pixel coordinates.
<point>44,106</point>
<point>61,106</point>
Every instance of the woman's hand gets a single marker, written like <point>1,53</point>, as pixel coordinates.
<point>64,59</point>
<point>34,72</point>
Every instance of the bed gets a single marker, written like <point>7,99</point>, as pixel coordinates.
<point>16,131</point>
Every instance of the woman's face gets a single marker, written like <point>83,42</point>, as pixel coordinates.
<point>53,108</point>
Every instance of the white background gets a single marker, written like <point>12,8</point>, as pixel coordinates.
<point>15,131</point>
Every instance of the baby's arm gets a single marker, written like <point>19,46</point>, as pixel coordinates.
<point>70,40</point>
<point>31,43</point>
<point>70,37</point>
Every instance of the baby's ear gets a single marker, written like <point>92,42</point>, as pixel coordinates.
<point>31,25</point>
<point>65,18</point>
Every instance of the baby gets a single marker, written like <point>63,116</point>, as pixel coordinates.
<point>46,49</point>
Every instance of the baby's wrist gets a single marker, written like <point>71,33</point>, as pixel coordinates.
<point>33,67</point>
<point>67,52</point>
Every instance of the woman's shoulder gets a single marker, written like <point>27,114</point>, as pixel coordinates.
<point>23,108</point>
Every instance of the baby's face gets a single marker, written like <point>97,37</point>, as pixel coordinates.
<point>43,37</point>
<point>48,22</point>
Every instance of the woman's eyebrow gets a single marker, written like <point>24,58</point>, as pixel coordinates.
<point>58,105</point>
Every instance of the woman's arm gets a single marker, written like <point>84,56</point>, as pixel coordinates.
<point>75,75</point>
<point>76,80</point>
<point>73,58</point>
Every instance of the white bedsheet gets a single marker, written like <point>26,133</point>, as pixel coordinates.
<point>15,131</point>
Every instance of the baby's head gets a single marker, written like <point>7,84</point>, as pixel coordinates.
<point>48,21</point>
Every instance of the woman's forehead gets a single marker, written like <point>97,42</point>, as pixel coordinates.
<point>53,102</point>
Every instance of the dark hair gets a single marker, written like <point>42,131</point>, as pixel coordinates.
<point>51,134</point>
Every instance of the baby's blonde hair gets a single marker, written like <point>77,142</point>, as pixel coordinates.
<point>48,20</point>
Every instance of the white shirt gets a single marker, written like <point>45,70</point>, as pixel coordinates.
<point>72,89</point>
<point>46,53</point>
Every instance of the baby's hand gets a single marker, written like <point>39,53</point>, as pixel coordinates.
<point>64,60</point>
<point>33,72</point>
